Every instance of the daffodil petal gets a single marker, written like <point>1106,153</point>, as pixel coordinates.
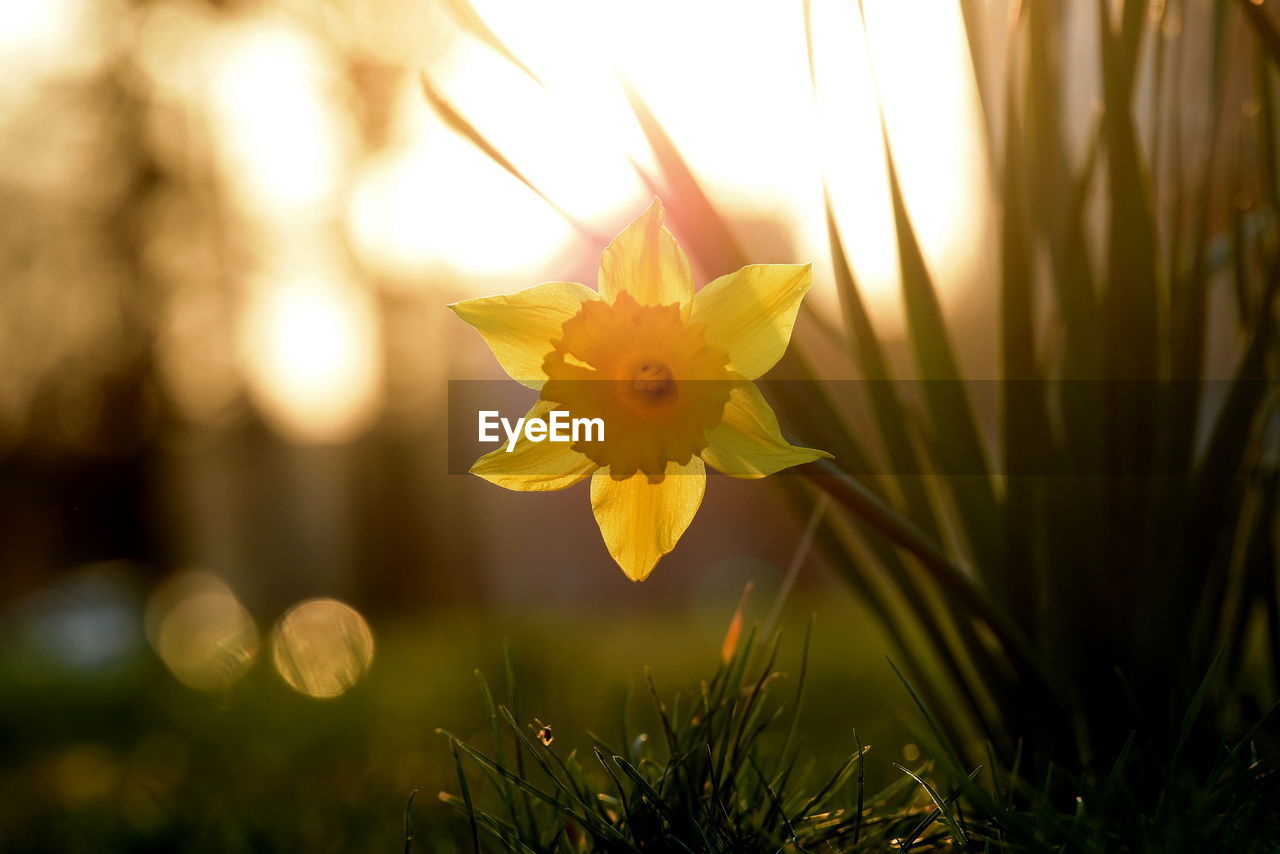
<point>747,442</point>
<point>647,262</point>
<point>519,327</point>
<point>534,466</point>
<point>642,521</point>
<point>750,313</point>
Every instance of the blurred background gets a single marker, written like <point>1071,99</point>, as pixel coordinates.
<point>239,589</point>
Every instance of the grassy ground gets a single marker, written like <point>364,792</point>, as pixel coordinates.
<point>129,759</point>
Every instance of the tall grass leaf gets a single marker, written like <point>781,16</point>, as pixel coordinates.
<point>1050,195</point>
<point>660,707</point>
<point>1242,278</point>
<point>886,406</point>
<point>750,710</point>
<point>499,745</point>
<point>1131,329</point>
<point>408,822</point>
<point>951,579</point>
<point>1189,314</point>
<point>952,756</point>
<point>951,821</point>
<point>714,779</point>
<point>960,447</point>
<point>1269,572</point>
<point>1216,488</point>
<point>862,765</point>
<point>1263,27</point>
<point>934,813</point>
<point>866,583</point>
<point>1133,26</point>
<point>459,124</point>
<point>831,786</point>
<point>622,792</point>
<point>717,252</point>
<point>973,14</point>
<point>807,11</point>
<point>797,704</point>
<point>1074,280</point>
<point>864,345</point>
<point>1024,420</point>
<point>1253,554</point>
<point>470,21</point>
<point>650,793</point>
<point>1131,299</point>
<point>1192,714</point>
<point>1118,768</point>
<point>513,701</point>
<point>1159,128</point>
<point>524,784</point>
<point>466,795</point>
<point>890,417</point>
<point>484,820</point>
<point>776,805</point>
<point>588,815</point>
<point>730,643</point>
<point>1268,143</point>
<point>1245,740</point>
<point>707,233</point>
<point>1027,825</point>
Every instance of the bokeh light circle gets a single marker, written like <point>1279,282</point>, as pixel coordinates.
<point>322,647</point>
<point>201,631</point>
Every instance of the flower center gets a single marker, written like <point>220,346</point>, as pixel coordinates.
<point>651,383</point>
<point>648,373</point>
<point>654,378</point>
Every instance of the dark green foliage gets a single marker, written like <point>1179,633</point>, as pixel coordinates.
<point>1061,575</point>
<point>722,772</point>
<point>1124,540</point>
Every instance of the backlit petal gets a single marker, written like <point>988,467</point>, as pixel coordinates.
<point>534,466</point>
<point>642,521</point>
<point>519,327</point>
<point>747,442</point>
<point>646,261</point>
<point>750,313</point>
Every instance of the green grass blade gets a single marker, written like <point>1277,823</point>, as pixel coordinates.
<point>867,582</point>
<point>862,767</point>
<point>833,783</point>
<point>1025,423</point>
<point>499,746</point>
<point>949,751</point>
<point>459,124</point>
<point>960,837</point>
<point>513,701</point>
<point>408,822</point>
<point>1130,301</point>
<point>466,795</point>
<point>1216,488</point>
<point>973,14</point>
<point>470,21</point>
<point>797,705</point>
<point>707,233</point>
<point>1197,705</point>
<point>776,804</point>
<point>1264,28</point>
<point>886,406</point>
<point>951,579</point>
<point>961,449</point>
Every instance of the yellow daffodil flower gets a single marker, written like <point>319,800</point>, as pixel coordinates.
<point>669,372</point>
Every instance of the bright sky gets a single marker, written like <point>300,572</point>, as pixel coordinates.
<point>728,78</point>
<point>730,82</point>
